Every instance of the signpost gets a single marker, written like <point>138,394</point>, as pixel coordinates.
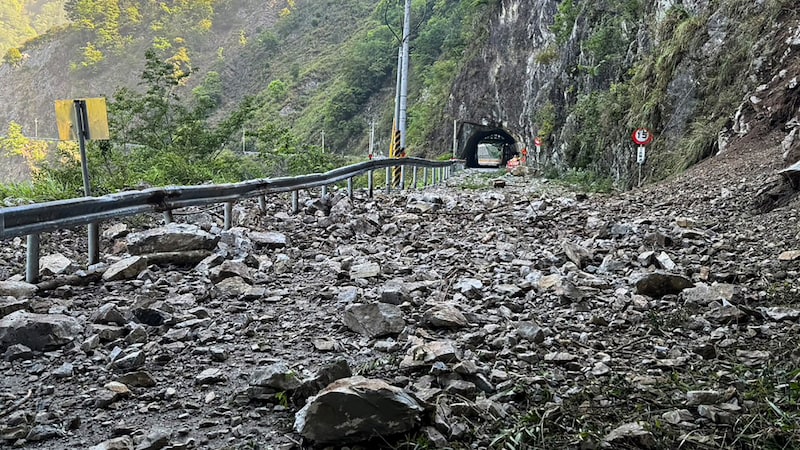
<point>641,137</point>
<point>84,119</point>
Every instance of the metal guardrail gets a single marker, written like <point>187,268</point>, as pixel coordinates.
<point>30,220</point>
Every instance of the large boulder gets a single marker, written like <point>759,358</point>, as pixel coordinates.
<point>37,331</point>
<point>356,409</point>
<point>171,238</point>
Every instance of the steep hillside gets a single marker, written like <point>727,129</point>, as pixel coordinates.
<point>25,19</point>
<point>77,62</point>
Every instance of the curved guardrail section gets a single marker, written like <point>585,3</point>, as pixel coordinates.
<point>30,220</point>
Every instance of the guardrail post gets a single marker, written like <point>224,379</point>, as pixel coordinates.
<point>350,187</point>
<point>168,219</point>
<point>94,243</point>
<point>32,259</point>
<point>324,191</point>
<point>371,182</point>
<point>388,180</point>
<point>402,177</point>
<point>414,177</point>
<point>262,203</point>
<point>228,215</point>
<point>295,202</point>
<point>424,177</point>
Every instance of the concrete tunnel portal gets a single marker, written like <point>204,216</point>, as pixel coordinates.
<point>486,147</point>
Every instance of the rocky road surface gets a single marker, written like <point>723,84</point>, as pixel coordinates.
<point>465,316</point>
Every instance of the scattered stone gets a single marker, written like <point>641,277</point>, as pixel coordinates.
<point>108,313</point>
<point>790,255</point>
<point>366,270</point>
<point>156,439</point>
<point>120,443</point>
<point>530,332</point>
<point>444,315</point>
<point>125,269</point>
<point>276,377</point>
<point>55,264</point>
<point>10,304</point>
<point>374,319</point>
<point>428,353</point>
<point>210,376</point>
<point>17,289</point>
<point>270,240</point>
<point>659,284</point>
<point>630,434</point>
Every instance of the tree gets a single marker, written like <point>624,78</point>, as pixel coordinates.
<point>16,144</point>
<point>13,56</point>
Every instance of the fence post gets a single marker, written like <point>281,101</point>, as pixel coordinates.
<point>295,202</point>
<point>371,182</point>
<point>402,177</point>
<point>94,243</point>
<point>424,177</point>
<point>32,259</point>
<point>228,215</point>
<point>262,203</point>
<point>414,178</point>
<point>350,187</point>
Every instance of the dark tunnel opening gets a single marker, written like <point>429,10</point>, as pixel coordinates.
<point>490,148</point>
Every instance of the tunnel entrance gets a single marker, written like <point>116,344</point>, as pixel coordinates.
<point>489,148</point>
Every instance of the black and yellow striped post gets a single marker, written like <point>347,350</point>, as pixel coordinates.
<point>397,152</point>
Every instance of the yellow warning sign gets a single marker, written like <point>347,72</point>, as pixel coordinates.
<point>96,116</point>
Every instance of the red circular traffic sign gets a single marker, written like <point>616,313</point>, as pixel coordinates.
<point>537,141</point>
<point>642,136</point>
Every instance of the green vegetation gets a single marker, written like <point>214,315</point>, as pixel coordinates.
<point>158,140</point>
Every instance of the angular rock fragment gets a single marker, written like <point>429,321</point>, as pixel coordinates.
<point>659,284</point>
<point>444,316</point>
<point>125,269</point>
<point>630,434</point>
<point>10,304</point>
<point>17,289</point>
<point>374,319</point>
<point>37,331</point>
<point>54,264</point>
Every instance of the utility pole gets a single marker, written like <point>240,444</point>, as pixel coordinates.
<point>323,141</point>
<point>36,127</point>
<point>372,139</point>
<point>404,77</point>
<point>455,137</point>
<point>243,140</point>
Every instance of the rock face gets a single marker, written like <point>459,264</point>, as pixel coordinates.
<point>355,409</point>
<point>37,331</point>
